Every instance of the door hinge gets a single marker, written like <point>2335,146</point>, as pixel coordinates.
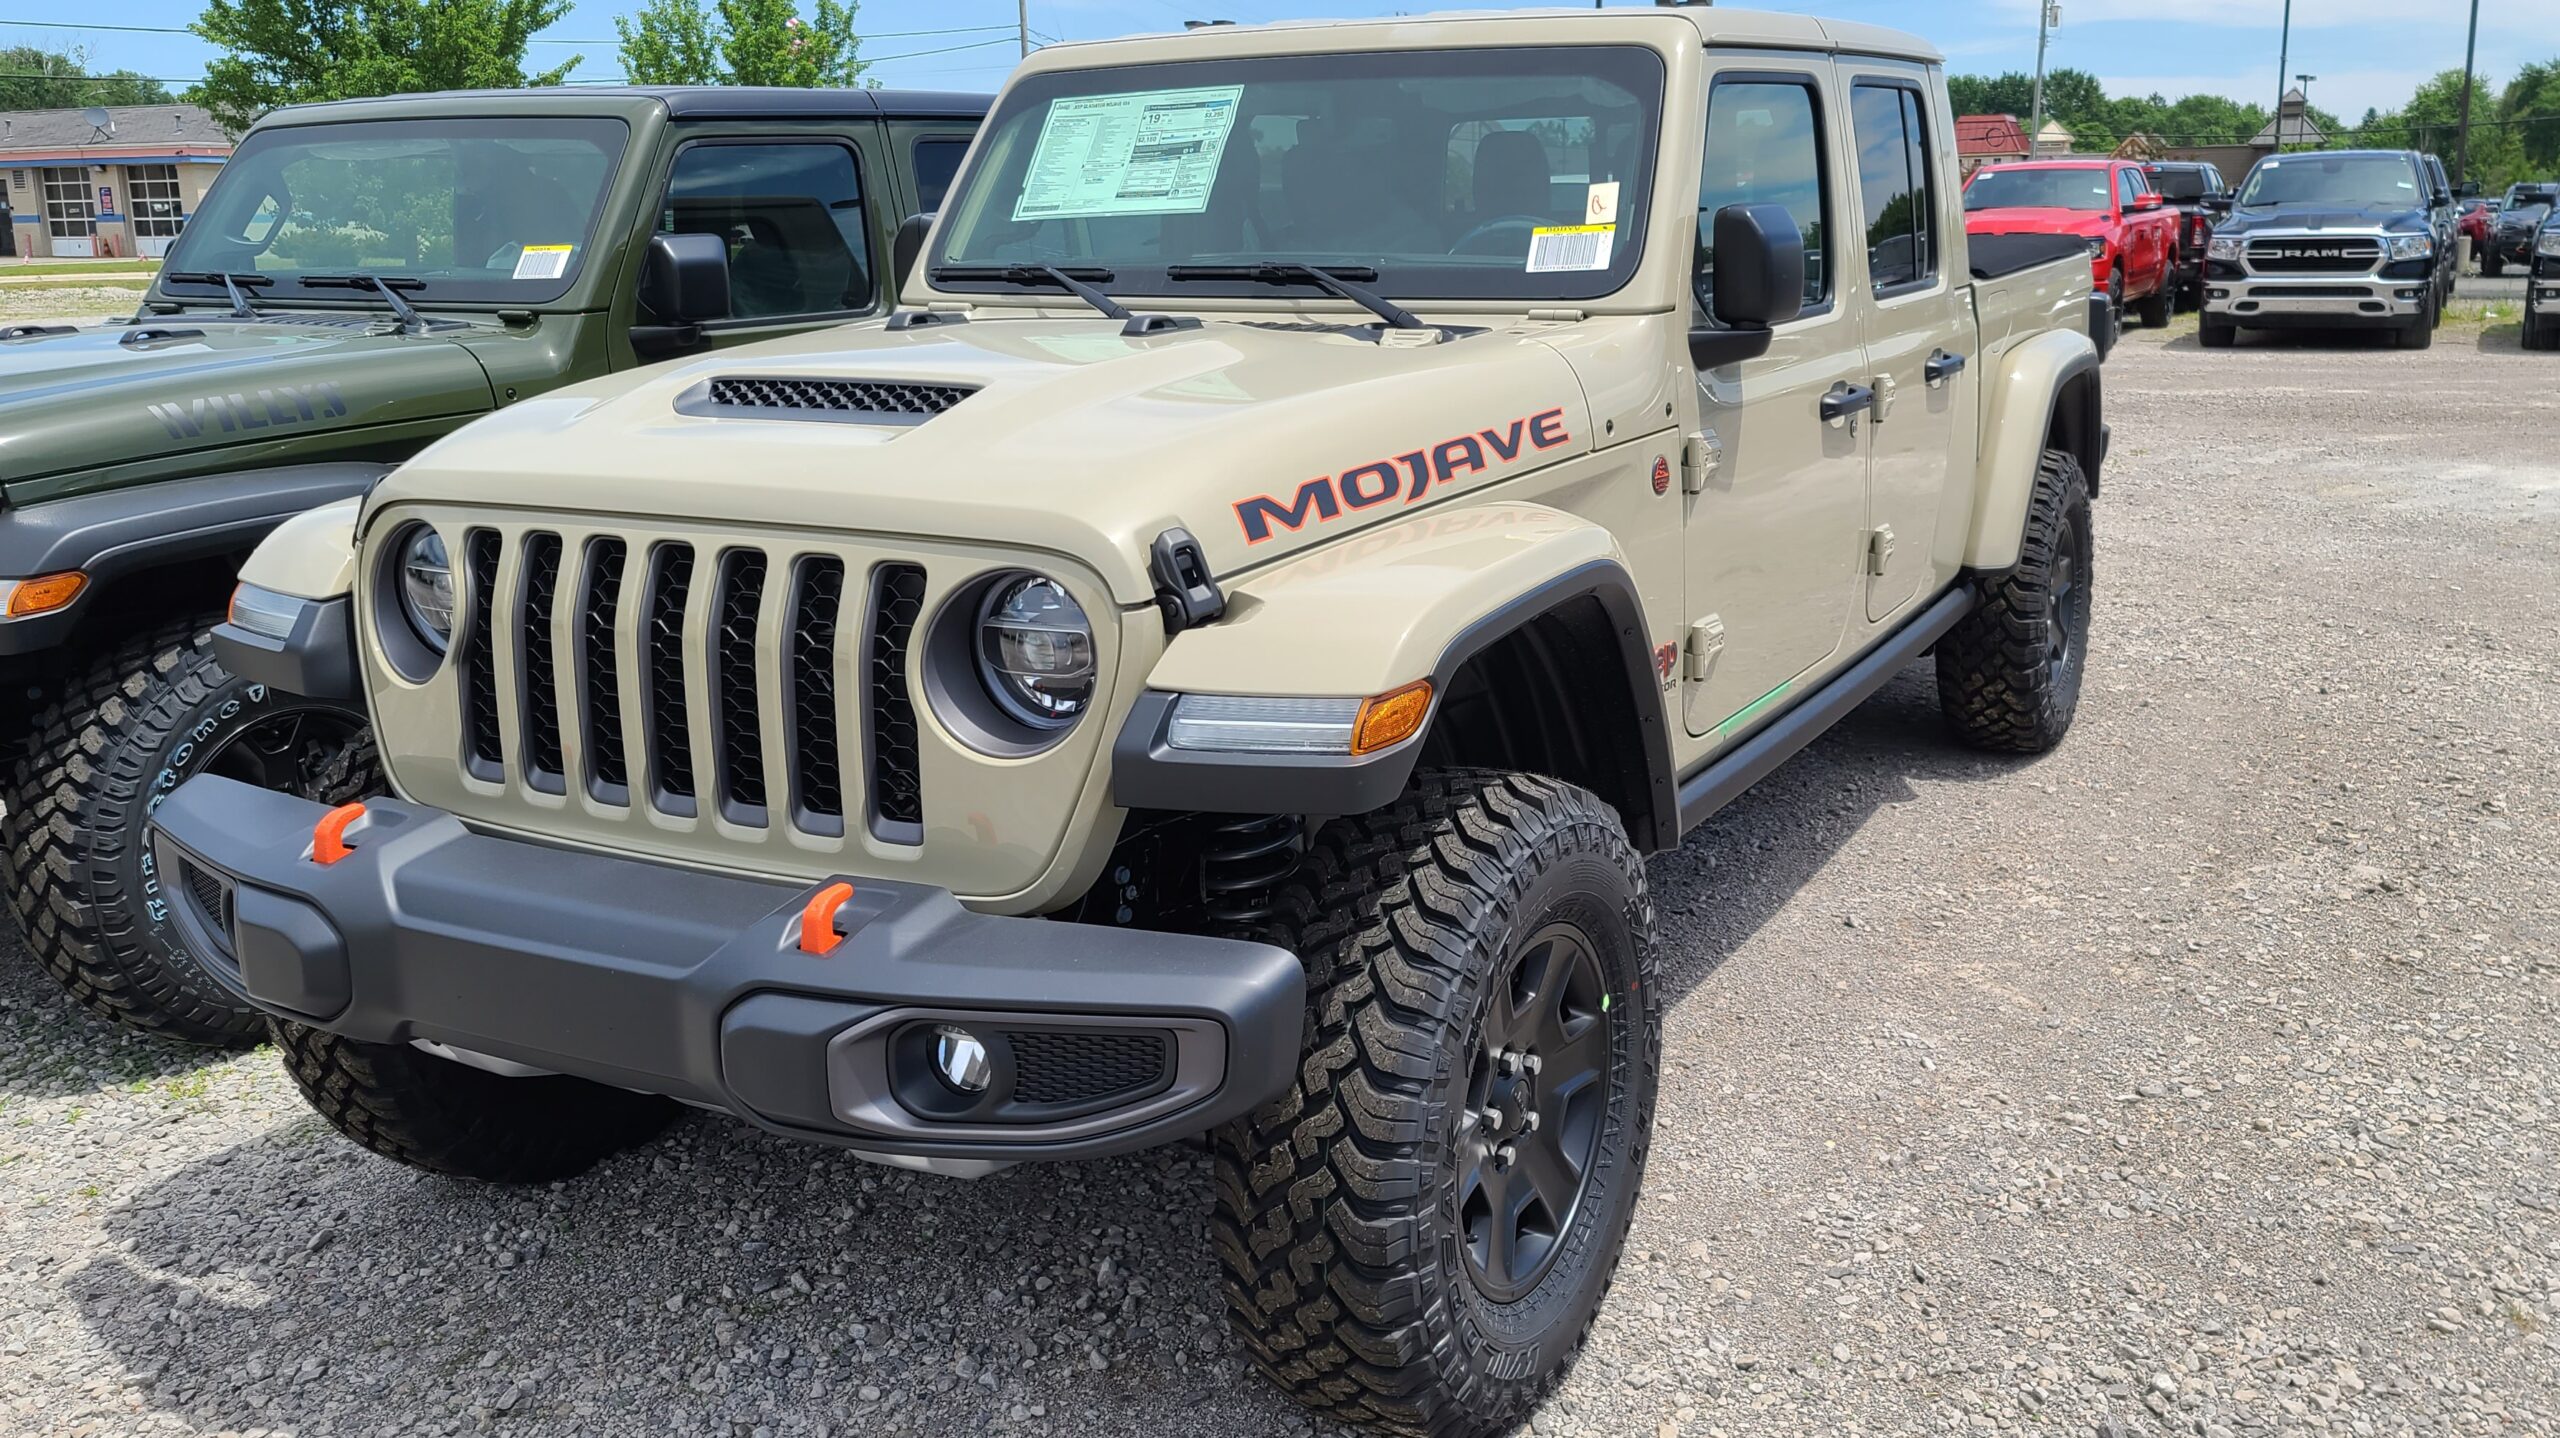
<point>1884,396</point>
<point>1706,641</point>
<point>1879,549</point>
<point>1700,458</point>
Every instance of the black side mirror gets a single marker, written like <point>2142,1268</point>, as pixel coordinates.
<point>904,249</point>
<point>1759,283</point>
<point>684,279</point>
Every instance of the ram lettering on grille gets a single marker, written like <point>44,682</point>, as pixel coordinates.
<point>691,680</point>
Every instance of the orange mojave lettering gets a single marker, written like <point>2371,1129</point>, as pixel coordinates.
<point>1409,474</point>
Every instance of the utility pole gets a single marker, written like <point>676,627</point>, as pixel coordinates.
<point>1022,24</point>
<point>2284,57</point>
<point>2304,82</point>
<point>2048,15</point>
<point>2470,54</point>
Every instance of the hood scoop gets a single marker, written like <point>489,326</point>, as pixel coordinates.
<point>839,401</point>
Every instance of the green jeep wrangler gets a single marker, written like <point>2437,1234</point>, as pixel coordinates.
<point>363,278</point>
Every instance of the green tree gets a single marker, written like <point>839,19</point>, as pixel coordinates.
<point>289,52</point>
<point>741,42</point>
<point>2531,109</point>
<point>34,79</point>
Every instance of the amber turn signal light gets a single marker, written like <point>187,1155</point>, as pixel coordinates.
<point>1391,718</point>
<point>45,593</point>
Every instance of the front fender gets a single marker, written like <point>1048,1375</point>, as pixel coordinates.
<point>310,556</point>
<point>2055,373</point>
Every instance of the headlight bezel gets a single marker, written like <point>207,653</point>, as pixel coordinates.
<point>2225,249</point>
<point>405,638</point>
<point>2410,247</point>
<point>2547,244</point>
<point>971,700</point>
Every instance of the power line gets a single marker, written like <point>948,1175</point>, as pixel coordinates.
<point>182,30</point>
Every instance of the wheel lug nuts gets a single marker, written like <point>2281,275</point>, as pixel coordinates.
<point>1505,1155</point>
<point>1490,1118</point>
<point>1533,1063</point>
<point>1529,1124</point>
<point>1509,1063</point>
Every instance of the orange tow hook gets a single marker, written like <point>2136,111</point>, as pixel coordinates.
<point>329,836</point>
<point>818,920</point>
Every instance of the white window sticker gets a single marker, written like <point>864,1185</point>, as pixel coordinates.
<point>1557,248</point>
<point>1151,152</point>
<point>543,262</point>
<point>1602,207</point>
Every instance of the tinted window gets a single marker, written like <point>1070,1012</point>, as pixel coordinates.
<point>1893,185</point>
<point>2180,184</point>
<point>1764,147</point>
<point>792,214</point>
<point>2072,189</point>
<point>937,159</point>
<point>2352,181</point>
<point>2128,185</point>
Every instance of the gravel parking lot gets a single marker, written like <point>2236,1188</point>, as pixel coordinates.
<point>2199,1078</point>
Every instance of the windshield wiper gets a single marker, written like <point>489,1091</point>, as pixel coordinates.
<point>233,285</point>
<point>1073,281</point>
<point>387,286</point>
<point>1332,279</point>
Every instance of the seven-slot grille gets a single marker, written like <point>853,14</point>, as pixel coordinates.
<point>2312,255</point>
<point>747,640</point>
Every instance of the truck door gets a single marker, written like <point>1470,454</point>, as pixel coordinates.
<point>1918,326</point>
<point>1778,496</point>
<point>797,211</point>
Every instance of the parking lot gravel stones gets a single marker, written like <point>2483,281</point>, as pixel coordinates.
<point>2198,1078</point>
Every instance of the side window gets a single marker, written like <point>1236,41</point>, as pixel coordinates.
<point>2128,185</point>
<point>937,159</point>
<point>792,215</point>
<point>1893,184</point>
<point>1764,147</point>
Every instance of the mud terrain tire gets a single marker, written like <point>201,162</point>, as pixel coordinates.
<point>1355,1216</point>
<point>2009,672</point>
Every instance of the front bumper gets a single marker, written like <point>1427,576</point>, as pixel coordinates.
<point>2316,302</point>
<point>517,956</point>
<point>2543,290</point>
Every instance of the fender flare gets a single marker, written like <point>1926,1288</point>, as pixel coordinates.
<point>2045,383</point>
<point>126,531</point>
<point>1439,590</point>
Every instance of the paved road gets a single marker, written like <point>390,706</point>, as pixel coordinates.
<point>2198,1078</point>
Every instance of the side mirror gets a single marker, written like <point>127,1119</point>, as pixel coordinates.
<point>2140,203</point>
<point>908,244</point>
<point>684,279</point>
<point>1759,283</point>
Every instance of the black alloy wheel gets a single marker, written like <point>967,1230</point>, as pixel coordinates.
<point>1536,1097</point>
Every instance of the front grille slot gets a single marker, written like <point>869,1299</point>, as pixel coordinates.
<point>2314,256</point>
<point>817,769</point>
<point>1082,1068</point>
<point>737,731</point>
<point>483,754</point>
<point>539,591</point>
<point>854,401</point>
<point>897,796</point>
<point>600,673</point>
<point>669,736</point>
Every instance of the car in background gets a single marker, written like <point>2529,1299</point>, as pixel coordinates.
<point>2542,289</point>
<point>2472,220</point>
<point>2513,232</point>
<point>2131,233</point>
<point>2332,239</point>
<point>2198,193</point>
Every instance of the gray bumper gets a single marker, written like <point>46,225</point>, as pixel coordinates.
<point>672,981</point>
<point>2343,301</point>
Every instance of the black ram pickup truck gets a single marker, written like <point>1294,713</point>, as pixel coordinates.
<point>2513,230</point>
<point>2542,290</point>
<point>2200,195</point>
<point>2333,239</point>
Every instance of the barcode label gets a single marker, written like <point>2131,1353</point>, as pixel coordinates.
<point>1570,247</point>
<point>543,262</point>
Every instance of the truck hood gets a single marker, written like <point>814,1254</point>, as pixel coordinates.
<point>2390,218</point>
<point>98,398</point>
<point>1260,439</point>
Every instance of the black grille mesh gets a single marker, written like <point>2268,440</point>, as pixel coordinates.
<point>1080,1068</point>
<point>608,767</point>
<point>818,767</point>
<point>212,897</point>
<point>670,744</point>
<point>897,800</point>
<point>737,730</point>
<point>541,587</point>
<point>483,755</point>
<point>837,396</point>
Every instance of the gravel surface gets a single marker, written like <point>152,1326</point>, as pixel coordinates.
<point>74,304</point>
<point>2198,1078</point>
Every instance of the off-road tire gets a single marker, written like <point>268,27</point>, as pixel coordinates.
<point>2155,308</point>
<point>1999,681</point>
<point>2115,296</point>
<point>430,1112</point>
<point>1338,1218</point>
<point>75,840</point>
<point>2216,336</point>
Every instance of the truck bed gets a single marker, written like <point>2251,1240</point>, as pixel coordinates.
<point>1997,257</point>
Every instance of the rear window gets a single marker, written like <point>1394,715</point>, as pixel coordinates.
<point>2179,184</point>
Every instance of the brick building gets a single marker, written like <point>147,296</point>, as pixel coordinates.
<point>119,180</point>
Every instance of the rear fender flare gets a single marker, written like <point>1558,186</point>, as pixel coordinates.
<point>2046,395</point>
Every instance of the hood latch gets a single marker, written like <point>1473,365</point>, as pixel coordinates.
<point>1184,590</point>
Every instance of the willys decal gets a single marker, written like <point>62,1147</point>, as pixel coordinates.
<point>1410,474</point>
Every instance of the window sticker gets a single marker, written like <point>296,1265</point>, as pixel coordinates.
<point>1602,207</point>
<point>1149,152</point>
<point>1555,249</point>
<point>543,262</point>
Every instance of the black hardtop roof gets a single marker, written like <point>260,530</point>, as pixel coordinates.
<point>716,102</point>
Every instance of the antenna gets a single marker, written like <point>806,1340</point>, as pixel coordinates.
<point>99,120</point>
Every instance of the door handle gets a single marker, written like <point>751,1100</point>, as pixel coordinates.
<point>1845,400</point>
<point>1942,367</point>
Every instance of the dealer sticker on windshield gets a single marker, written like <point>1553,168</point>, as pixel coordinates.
<point>1557,248</point>
<point>1150,152</point>
<point>543,262</point>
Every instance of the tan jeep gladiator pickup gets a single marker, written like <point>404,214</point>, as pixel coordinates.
<point>1332,499</point>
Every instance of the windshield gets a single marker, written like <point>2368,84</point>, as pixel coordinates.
<point>2345,181</point>
<point>2179,184</point>
<point>2039,190</point>
<point>1453,174</point>
<point>480,210</point>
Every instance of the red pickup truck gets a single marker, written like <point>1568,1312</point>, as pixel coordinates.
<point>2132,235</point>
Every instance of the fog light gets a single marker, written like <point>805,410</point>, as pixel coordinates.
<point>959,1059</point>
<point>2221,294</point>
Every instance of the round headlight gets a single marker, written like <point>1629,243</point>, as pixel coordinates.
<point>1035,651</point>
<point>426,586</point>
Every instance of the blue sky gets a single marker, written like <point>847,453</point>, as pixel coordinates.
<point>2365,52</point>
